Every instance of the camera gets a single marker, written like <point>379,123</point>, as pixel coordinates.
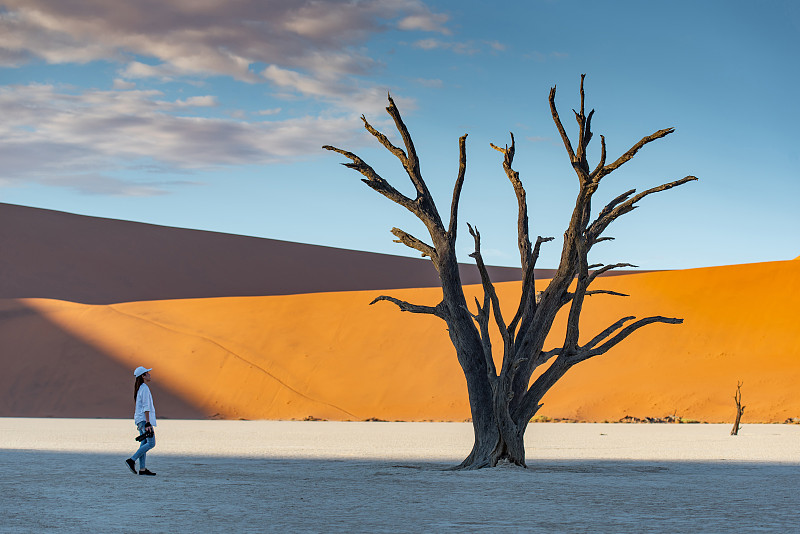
<point>147,434</point>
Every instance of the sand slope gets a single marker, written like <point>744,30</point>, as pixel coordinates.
<point>330,355</point>
<point>102,261</point>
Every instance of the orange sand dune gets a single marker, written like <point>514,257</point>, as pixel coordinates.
<point>331,356</point>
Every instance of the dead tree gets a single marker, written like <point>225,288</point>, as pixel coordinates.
<point>504,400</point>
<point>737,398</point>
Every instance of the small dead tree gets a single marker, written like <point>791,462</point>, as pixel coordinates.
<point>504,400</point>
<point>737,398</point>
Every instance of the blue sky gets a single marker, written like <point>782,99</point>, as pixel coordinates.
<point>211,115</point>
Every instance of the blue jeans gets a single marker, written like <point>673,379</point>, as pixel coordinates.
<point>146,445</point>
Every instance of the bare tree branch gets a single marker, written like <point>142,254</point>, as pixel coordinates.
<point>602,222</point>
<point>622,334</point>
<point>535,361</point>
<point>483,323</point>
<point>527,301</point>
<point>605,292</point>
<point>523,238</point>
<point>537,247</point>
<point>401,155</point>
<point>607,332</point>
<point>413,308</point>
<point>602,158</point>
<point>462,169</point>
<point>573,320</point>
<point>600,240</point>
<point>531,334</point>
<point>534,393</point>
<point>411,165</point>
<point>375,181</point>
<point>559,126</point>
<point>584,136</point>
<point>488,287</point>
<point>480,313</point>
<point>423,206</point>
<point>527,257</point>
<point>412,242</point>
<point>601,271</point>
<point>546,355</point>
<point>627,156</point>
<point>614,203</point>
<point>567,298</point>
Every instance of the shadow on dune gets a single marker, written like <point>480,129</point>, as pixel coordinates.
<point>280,494</point>
<point>93,260</point>
<point>48,372</point>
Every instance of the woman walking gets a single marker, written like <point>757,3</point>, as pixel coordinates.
<point>144,416</point>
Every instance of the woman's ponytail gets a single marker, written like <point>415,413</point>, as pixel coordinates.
<point>137,385</point>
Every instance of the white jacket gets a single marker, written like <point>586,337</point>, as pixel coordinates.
<point>144,403</point>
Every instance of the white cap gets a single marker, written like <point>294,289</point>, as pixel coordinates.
<point>140,371</point>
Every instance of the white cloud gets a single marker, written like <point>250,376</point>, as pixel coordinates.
<point>322,21</point>
<point>207,38</point>
<point>86,139</point>
<point>459,47</point>
<point>81,140</point>
<point>99,184</point>
<point>432,22</point>
<point>429,44</point>
<point>206,101</point>
<point>497,46</point>
<point>122,84</point>
<point>349,97</point>
<point>308,85</point>
<point>137,69</point>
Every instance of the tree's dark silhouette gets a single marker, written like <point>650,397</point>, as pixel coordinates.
<point>504,400</point>
<point>737,398</point>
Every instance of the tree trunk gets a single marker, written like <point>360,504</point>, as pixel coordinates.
<point>485,422</point>
<point>735,429</point>
<point>737,398</point>
<point>493,447</point>
<point>498,437</point>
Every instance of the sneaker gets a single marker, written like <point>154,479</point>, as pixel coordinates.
<point>131,465</point>
<point>146,472</point>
